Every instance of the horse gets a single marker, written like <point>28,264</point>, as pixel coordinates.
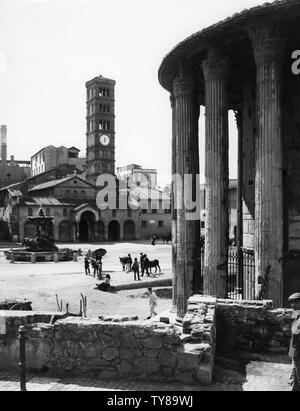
<point>124,261</point>
<point>152,264</point>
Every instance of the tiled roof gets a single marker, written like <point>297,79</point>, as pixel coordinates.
<point>49,184</point>
<point>55,183</point>
<point>46,201</point>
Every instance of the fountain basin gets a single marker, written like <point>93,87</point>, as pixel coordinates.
<point>22,255</point>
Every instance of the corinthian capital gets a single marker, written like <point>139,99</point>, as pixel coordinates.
<point>215,66</point>
<point>183,85</point>
<point>268,42</point>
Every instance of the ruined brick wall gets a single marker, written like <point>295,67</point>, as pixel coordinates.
<point>251,326</point>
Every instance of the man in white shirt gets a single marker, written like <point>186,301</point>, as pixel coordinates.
<point>152,302</point>
<point>295,341</point>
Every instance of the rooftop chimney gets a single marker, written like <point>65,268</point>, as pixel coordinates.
<point>3,140</point>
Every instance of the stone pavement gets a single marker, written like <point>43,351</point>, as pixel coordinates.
<point>259,375</point>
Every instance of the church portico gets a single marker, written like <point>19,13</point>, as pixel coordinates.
<point>241,64</point>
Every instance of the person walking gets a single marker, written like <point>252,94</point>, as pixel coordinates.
<point>136,270</point>
<point>152,302</point>
<point>294,352</point>
<point>87,266</point>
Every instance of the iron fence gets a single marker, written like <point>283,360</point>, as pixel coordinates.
<point>240,282</point>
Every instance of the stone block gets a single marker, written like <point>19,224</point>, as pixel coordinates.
<point>167,359</point>
<point>146,366</point>
<point>110,354</point>
<point>168,372</point>
<point>184,377</point>
<point>151,353</point>
<point>151,342</point>
<point>189,361</point>
<point>124,368</point>
<point>204,374</point>
<point>126,354</point>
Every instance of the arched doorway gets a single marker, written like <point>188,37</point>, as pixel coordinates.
<point>87,227</point>
<point>114,231</point>
<point>129,230</point>
<point>29,230</point>
<point>64,231</point>
<point>100,233</point>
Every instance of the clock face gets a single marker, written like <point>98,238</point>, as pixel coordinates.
<point>104,139</point>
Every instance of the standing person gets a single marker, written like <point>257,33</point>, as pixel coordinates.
<point>136,270</point>
<point>129,263</point>
<point>153,240</point>
<point>87,266</point>
<point>95,267</point>
<point>142,258</point>
<point>99,269</point>
<point>295,342</point>
<point>152,302</point>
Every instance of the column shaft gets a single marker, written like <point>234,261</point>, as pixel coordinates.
<point>187,163</point>
<point>217,179</point>
<point>173,196</point>
<point>268,183</point>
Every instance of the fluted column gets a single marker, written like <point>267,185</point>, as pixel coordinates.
<point>174,211</point>
<point>239,233</point>
<point>215,70</point>
<point>187,163</point>
<point>268,45</point>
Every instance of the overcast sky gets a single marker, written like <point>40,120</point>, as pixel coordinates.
<point>50,48</point>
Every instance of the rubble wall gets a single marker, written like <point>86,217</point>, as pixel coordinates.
<point>252,326</point>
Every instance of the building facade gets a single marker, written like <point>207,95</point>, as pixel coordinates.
<point>138,175</point>
<point>11,170</point>
<point>50,157</point>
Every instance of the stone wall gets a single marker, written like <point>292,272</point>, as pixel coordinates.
<point>112,348</point>
<point>252,326</point>
<point>10,322</point>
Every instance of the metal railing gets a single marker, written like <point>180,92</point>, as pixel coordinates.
<point>240,282</point>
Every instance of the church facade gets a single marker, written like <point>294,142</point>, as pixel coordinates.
<point>70,194</point>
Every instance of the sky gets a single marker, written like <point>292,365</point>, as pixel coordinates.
<point>50,48</point>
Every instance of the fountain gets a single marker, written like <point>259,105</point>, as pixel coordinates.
<point>42,247</point>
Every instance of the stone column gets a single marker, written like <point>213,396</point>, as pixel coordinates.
<point>215,70</point>
<point>174,211</point>
<point>239,200</point>
<point>187,163</point>
<point>268,45</point>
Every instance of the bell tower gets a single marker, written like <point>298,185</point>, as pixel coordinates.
<point>100,132</point>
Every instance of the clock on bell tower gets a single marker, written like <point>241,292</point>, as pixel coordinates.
<point>100,133</point>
